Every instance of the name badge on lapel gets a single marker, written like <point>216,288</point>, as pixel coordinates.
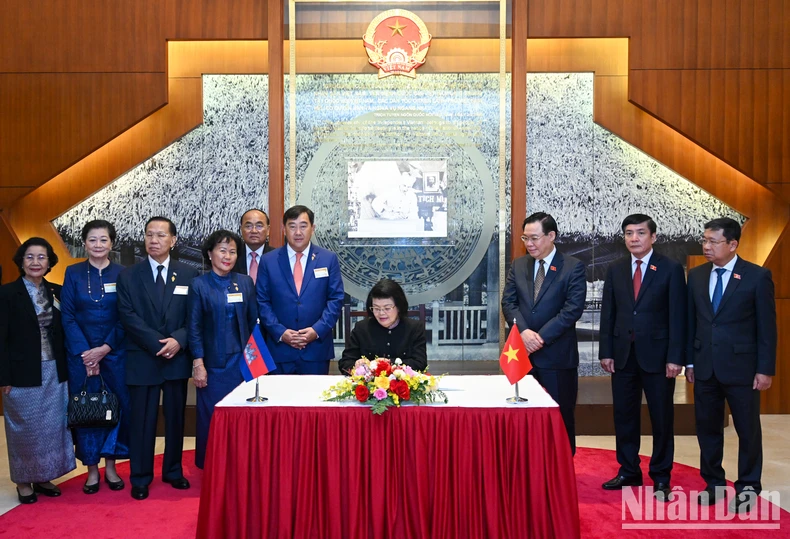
<point>181,290</point>
<point>236,298</point>
<point>320,273</point>
<point>56,303</point>
<point>109,288</point>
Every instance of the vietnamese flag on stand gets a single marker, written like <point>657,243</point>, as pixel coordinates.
<point>515,359</point>
<point>257,358</point>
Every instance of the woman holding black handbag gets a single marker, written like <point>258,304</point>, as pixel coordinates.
<point>95,345</point>
<point>33,375</point>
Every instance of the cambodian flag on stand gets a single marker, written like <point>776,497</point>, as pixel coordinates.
<point>257,358</point>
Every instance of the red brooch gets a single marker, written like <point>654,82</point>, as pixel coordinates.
<point>553,268</point>
<point>737,276</point>
<point>652,267</point>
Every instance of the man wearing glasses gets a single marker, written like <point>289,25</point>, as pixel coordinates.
<point>731,351</point>
<point>545,293</point>
<point>300,298</point>
<point>255,233</point>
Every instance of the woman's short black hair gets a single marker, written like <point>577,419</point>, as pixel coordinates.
<point>98,224</point>
<point>19,256</point>
<point>386,289</point>
<point>220,236</point>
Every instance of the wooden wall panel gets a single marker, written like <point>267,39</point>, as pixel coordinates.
<point>775,401</point>
<point>51,120</point>
<point>82,36</point>
<point>216,19</point>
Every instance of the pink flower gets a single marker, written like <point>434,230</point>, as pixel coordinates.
<point>380,394</point>
<point>408,370</point>
<point>361,371</point>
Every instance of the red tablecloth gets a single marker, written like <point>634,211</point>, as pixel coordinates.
<point>432,472</point>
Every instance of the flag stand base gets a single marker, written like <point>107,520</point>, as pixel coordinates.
<point>257,397</point>
<point>517,399</point>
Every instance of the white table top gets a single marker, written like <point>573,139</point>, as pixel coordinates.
<point>461,391</point>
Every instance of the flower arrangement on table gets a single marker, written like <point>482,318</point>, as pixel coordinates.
<point>382,384</point>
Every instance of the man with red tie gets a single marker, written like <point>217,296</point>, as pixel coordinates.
<point>255,233</point>
<point>300,298</point>
<point>642,338</point>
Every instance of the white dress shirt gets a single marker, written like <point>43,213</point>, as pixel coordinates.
<point>302,261</point>
<point>155,264</point>
<point>546,264</point>
<point>645,261</point>
<point>249,251</point>
<point>725,278</point>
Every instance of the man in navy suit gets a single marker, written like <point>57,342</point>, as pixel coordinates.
<point>642,345</point>
<point>544,294</point>
<point>255,233</point>
<point>731,353</point>
<point>300,298</point>
<point>152,306</point>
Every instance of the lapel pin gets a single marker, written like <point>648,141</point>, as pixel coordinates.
<point>736,275</point>
<point>236,286</point>
<point>652,267</point>
<point>173,278</point>
<point>553,268</point>
<point>312,257</point>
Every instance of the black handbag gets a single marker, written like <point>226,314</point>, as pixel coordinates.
<point>93,409</point>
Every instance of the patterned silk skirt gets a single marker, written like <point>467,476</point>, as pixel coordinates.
<point>39,442</point>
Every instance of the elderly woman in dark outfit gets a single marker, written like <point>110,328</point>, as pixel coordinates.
<point>388,332</point>
<point>223,312</point>
<point>33,375</point>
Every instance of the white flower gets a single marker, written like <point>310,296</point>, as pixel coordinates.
<point>392,376</point>
<point>398,361</point>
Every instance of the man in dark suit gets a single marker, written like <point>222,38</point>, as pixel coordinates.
<point>152,306</point>
<point>642,345</point>
<point>544,294</point>
<point>255,233</point>
<point>300,298</point>
<point>732,355</point>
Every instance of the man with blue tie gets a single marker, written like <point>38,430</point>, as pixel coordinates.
<point>731,351</point>
<point>152,306</point>
<point>300,298</point>
<point>545,293</point>
<point>643,345</point>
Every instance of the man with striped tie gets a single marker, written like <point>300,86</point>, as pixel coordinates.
<point>255,233</point>
<point>731,351</point>
<point>545,293</point>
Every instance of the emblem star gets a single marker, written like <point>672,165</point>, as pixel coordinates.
<point>512,354</point>
<point>397,28</point>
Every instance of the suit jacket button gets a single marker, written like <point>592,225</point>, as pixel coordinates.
<point>714,325</point>
<point>634,312</point>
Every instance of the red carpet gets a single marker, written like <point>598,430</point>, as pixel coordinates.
<point>171,513</point>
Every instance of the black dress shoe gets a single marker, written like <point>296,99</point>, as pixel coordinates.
<point>620,481</point>
<point>139,493</point>
<point>744,502</point>
<point>90,489</point>
<point>53,492</point>
<point>662,492</point>
<point>30,498</point>
<point>114,485</point>
<point>709,496</point>
<point>180,483</point>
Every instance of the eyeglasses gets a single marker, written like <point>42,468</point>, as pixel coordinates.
<point>381,310</point>
<point>40,258</point>
<point>256,226</point>
<point>532,239</point>
<point>706,241</point>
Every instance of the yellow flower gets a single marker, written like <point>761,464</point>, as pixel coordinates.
<point>383,382</point>
<point>395,399</point>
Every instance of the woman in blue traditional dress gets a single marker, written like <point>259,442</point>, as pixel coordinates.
<point>223,312</point>
<point>33,375</point>
<point>95,345</point>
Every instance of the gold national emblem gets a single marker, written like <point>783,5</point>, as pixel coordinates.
<point>397,43</point>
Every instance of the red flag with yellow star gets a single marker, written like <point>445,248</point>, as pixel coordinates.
<point>515,359</point>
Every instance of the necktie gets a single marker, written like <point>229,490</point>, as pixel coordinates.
<point>637,278</point>
<point>254,267</point>
<point>718,290</point>
<point>160,282</point>
<point>539,278</point>
<point>298,273</point>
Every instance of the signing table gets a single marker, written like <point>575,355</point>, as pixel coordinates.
<point>296,466</point>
